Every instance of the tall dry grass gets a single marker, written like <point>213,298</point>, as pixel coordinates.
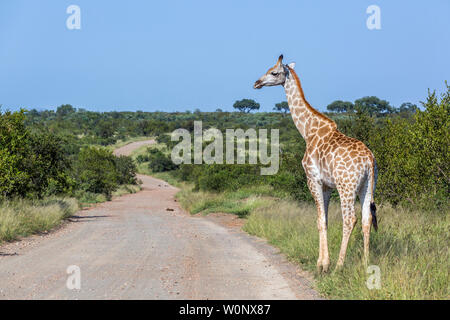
<point>411,248</point>
<point>20,218</point>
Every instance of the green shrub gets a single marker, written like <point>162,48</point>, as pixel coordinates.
<point>159,162</point>
<point>126,170</point>
<point>96,171</point>
<point>30,162</point>
<point>414,158</point>
<point>142,158</point>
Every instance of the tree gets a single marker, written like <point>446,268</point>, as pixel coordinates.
<point>65,110</point>
<point>105,129</point>
<point>246,105</point>
<point>159,162</point>
<point>126,170</point>
<point>414,157</point>
<point>408,107</point>
<point>95,171</point>
<point>373,105</point>
<point>29,161</point>
<point>340,106</point>
<point>14,146</point>
<point>282,107</point>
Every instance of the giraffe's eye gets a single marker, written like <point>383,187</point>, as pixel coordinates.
<point>274,73</point>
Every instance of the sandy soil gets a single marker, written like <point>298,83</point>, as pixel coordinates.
<point>144,246</point>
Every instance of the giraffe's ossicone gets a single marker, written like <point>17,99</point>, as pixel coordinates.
<point>331,161</point>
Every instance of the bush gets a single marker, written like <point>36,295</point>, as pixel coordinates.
<point>142,158</point>
<point>414,158</point>
<point>126,170</point>
<point>159,162</point>
<point>96,171</point>
<point>30,163</point>
<point>222,177</point>
<point>14,143</point>
<point>48,166</point>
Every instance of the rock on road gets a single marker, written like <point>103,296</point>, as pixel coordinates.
<point>144,246</point>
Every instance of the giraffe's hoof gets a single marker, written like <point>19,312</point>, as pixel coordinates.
<point>322,267</point>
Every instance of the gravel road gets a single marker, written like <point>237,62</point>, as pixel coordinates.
<point>144,246</point>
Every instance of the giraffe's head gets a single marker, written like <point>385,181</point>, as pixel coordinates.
<point>274,76</point>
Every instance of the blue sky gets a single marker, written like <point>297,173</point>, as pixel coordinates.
<point>182,55</point>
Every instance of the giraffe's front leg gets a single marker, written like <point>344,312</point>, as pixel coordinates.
<point>317,192</point>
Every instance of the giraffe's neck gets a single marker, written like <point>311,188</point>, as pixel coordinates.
<point>307,119</point>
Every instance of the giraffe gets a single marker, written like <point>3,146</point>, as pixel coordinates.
<point>331,161</point>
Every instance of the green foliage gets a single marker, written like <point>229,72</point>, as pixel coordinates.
<point>166,139</point>
<point>97,170</point>
<point>220,177</point>
<point>126,170</point>
<point>30,162</point>
<point>362,126</point>
<point>159,162</point>
<point>13,146</point>
<point>341,106</point>
<point>373,105</point>
<point>408,107</point>
<point>48,165</point>
<point>246,105</point>
<point>291,177</point>
<point>64,110</point>
<point>414,158</point>
<point>282,107</point>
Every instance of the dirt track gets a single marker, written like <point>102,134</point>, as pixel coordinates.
<point>136,247</point>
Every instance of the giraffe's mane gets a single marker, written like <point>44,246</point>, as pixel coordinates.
<point>310,108</point>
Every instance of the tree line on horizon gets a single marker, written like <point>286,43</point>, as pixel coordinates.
<point>369,104</point>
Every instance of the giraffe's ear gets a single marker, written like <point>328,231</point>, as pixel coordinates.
<point>291,65</point>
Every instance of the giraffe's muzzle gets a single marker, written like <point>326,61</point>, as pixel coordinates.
<point>258,84</point>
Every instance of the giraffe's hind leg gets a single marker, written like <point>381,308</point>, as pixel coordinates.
<point>347,196</point>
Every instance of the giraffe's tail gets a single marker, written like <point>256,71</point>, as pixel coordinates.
<point>373,211</point>
<point>373,207</point>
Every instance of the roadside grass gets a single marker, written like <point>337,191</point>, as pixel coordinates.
<point>88,199</point>
<point>411,247</point>
<point>126,189</point>
<point>240,202</point>
<point>21,218</point>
